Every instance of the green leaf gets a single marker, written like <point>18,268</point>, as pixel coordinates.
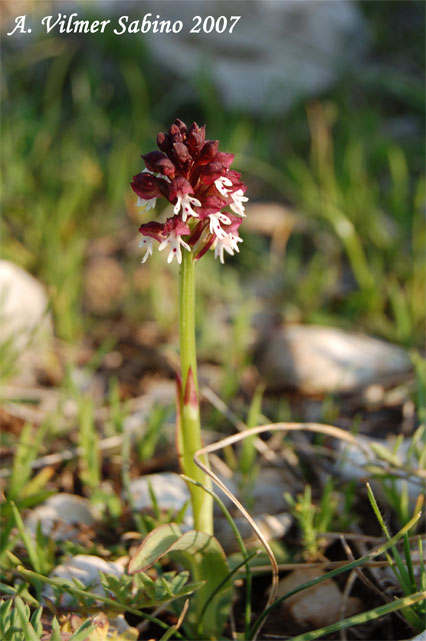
<point>26,538</point>
<point>155,545</point>
<point>24,616</point>
<point>204,557</point>
<point>83,632</point>
<point>56,630</point>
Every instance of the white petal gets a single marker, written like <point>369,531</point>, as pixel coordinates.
<point>176,208</point>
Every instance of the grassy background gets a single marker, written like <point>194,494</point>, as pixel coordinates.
<point>79,111</point>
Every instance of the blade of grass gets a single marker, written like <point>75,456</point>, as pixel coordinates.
<point>400,571</point>
<point>26,538</point>
<point>23,612</point>
<point>329,575</point>
<point>177,625</point>
<point>225,580</point>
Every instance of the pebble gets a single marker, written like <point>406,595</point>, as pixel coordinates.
<point>273,527</point>
<point>170,490</point>
<point>25,320</point>
<point>86,568</point>
<point>319,605</point>
<point>352,464</point>
<point>322,360</point>
<point>61,515</point>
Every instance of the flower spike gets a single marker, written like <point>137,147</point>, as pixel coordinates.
<point>207,196</point>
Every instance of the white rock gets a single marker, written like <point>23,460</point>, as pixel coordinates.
<point>323,360</point>
<point>61,515</point>
<point>277,53</point>
<point>24,306</point>
<point>268,491</point>
<point>352,464</point>
<point>272,526</point>
<point>317,606</point>
<point>26,325</point>
<point>169,489</point>
<point>85,568</point>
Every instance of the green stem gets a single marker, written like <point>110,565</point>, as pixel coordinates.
<point>189,427</point>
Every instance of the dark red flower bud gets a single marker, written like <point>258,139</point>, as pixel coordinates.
<point>179,187</point>
<point>196,138</point>
<point>181,153</point>
<point>177,225</point>
<point>163,143</point>
<point>181,125</point>
<point>175,134</point>
<point>208,152</point>
<point>153,229</point>
<point>211,172</point>
<point>224,159</point>
<point>147,186</point>
<point>158,162</point>
<point>210,205</point>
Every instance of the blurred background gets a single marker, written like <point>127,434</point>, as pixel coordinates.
<point>323,105</point>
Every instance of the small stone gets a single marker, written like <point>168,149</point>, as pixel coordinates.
<point>352,464</point>
<point>61,515</point>
<point>317,606</point>
<point>85,568</point>
<point>268,491</point>
<point>170,490</point>
<point>326,360</point>
<point>26,324</point>
<point>272,526</point>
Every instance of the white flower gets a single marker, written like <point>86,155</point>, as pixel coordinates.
<point>175,242</point>
<point>229,244</point>
<point>146,242</point>
<point>185,203</point>
<point>237,206</point>
<point>146,205</point>
<point>221,184</point>
<point>215,220</point>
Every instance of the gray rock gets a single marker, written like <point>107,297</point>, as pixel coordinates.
<point>272,527</point>
<point>317,606</point>
<point>170,490</point>
<point>61,515</point>
<point>85,568</point>
<point>278,51</point>
<point>353,464</point>
<point>324,360</point>
<point>26,325</point>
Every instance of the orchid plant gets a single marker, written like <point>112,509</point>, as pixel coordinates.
<point>208,207</point>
